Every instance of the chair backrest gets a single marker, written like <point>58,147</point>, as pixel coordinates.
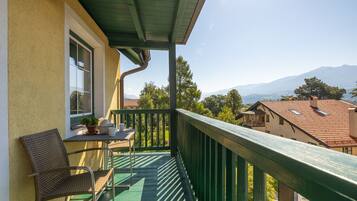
<point>46,151</point>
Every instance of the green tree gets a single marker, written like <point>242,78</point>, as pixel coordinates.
<point>227,115</point>
<point>188,94</point>
<point>234,101</point>
<point>354,92</point>
<point>315,87</point>
<point>153,97</point>
<point>201,109</point>
<point>214,103</point>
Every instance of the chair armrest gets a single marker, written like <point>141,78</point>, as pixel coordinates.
<point>95,149</point>
<point>86,168</point>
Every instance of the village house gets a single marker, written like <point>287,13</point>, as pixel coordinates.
<point>326,123</point>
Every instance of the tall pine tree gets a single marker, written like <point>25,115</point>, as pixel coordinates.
<point>188,94</point>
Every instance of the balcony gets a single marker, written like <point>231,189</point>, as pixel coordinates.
<point>209,161</point>
<point>252,119</point>
<point>182,155</point>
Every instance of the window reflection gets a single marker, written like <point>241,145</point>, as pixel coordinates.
<point>80,62</point>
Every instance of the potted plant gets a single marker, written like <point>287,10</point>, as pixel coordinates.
<point>91,123</point>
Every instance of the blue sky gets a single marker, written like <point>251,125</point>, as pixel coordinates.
<point>237,42</point>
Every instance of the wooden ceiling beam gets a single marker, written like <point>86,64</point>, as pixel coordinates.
<point>152,45</point>
<point>134,11</point>
<point>181,4</point>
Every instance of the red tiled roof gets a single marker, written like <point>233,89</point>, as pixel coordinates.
<point>332,129</point>
<point>131,103</point>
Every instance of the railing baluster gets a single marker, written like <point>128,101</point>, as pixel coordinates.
<point>199,165</point>
<point>121,118</point>
<point>150,126</point>
<point>221,159</point>
<point>205,167</point>
<point>158,129</point>
<point>152,129</point>
<point>231,193</point>
<point>242,179</point>
<point>127,119</point>
<point>146,129</point>
<point>115,120</point>
<point>259,178</point>
<point>213,170</point>
<point>208,168</point>
<point>134,121</point>
<point>163,130</point>
<point>139,130</point>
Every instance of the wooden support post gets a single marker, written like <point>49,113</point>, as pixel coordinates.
<point>172,81</point>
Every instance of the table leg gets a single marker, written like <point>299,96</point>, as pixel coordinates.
<point>134,150</point>
<point>106,154</point>
<point>131,165</point>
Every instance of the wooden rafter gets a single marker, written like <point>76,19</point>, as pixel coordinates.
<point>114,43</point>
<point>177,19</point>
<point>133,8</point>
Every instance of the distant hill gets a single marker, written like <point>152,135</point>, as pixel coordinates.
<point>343,76</point>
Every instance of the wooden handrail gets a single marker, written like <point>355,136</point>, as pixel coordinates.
<point>132,111</point>
<point>315,172</point>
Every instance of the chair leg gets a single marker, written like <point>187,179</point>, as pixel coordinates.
<point>94,197</point>
<point>113,186</point>
<point>134,152</point>
<point>131,166</point>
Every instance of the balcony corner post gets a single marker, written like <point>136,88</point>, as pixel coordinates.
<point>172,81</point>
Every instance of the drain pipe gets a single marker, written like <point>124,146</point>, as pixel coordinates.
<point>145,61</point>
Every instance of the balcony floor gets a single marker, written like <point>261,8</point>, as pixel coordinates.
<point>155,177</point>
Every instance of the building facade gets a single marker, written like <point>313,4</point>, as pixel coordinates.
<point>59,67</point>
<point>324,123</point>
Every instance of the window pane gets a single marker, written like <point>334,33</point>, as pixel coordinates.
<point>73,77</point>
<point>80,62</point>
<point>84,58</point>
<point>83,81</point>
<point>84,103</point>
<point>72,53</point>
<point>73,102</point>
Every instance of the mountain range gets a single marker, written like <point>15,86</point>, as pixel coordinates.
<point>342,76</point>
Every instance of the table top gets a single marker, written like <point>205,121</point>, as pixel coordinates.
<point>120,135</point>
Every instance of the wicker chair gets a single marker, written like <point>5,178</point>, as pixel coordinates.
<point>52,172</point>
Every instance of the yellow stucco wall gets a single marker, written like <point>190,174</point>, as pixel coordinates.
<point>37,81</point>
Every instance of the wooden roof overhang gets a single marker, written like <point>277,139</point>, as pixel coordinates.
<point>144,24</point>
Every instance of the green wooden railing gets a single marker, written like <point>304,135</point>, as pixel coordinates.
<point>216,156</point>
<point>151,125</point>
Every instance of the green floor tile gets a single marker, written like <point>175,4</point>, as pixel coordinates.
<point>155,177</point>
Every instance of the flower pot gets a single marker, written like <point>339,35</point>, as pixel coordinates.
<point>92,129</point>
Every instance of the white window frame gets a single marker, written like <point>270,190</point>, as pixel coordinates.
<point>4,110</point>
<point>74,23</point>
<point>91,78</point>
